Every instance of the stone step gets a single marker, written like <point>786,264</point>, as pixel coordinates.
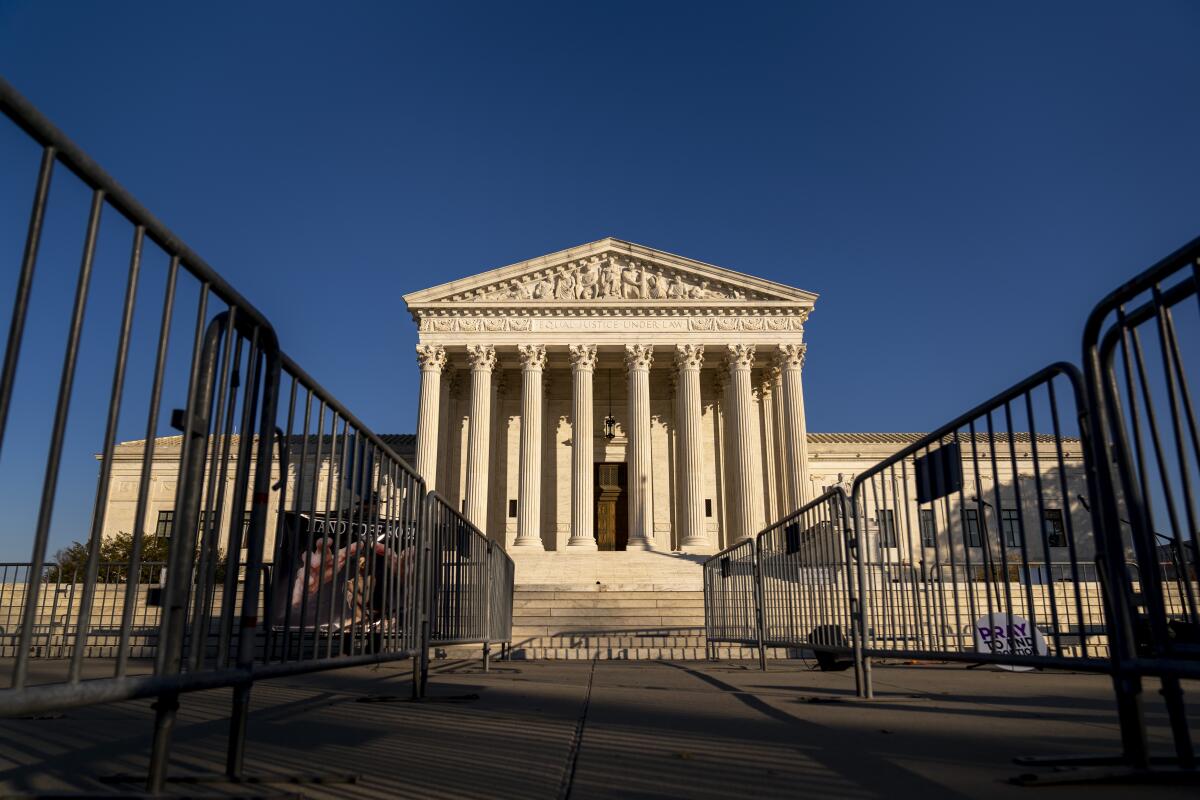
<point>642,653</point>
<point>596,595</point>
<point>578,624</point>
<point>649,585</point>
<point>521,604</point>
<point>602,640</point>
<point>641,608</point>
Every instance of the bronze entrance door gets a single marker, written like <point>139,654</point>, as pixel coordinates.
<point>612,507</point>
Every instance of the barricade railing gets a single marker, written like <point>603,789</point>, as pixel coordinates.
<point>181,334</point>
<point>267,466</point>
<point>470,583</point>
<point>1137,357</point>
<point>59,609</point>
<point>731,602</point>
<point>951,528</point>
<point>1056,525</point>
<point>808,591</point>
<point>501,578</point>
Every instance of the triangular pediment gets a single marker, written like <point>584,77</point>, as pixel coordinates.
<point>608,272</point>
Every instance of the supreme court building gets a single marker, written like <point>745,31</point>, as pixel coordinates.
<point>614,396</point>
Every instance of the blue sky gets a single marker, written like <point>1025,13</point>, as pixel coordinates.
<point>959,182</point>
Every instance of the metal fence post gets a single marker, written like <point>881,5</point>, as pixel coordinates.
<point>487,604</point>
<point>427,591</point>
<point>758,606</point>
<point>235,756</point>
<point>862,662</point>
<point>193,460</point>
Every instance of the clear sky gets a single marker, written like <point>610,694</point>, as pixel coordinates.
<point>959,182</point>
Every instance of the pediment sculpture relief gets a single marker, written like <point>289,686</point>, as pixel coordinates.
<point>608,278</point>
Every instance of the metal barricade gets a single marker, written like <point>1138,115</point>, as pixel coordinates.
<point>197,338</point>
<point>461,562</point>
<point>1136,357</point>
<point>731,599</point>
<point>807,583</point>
<point>267,463</point>
<point>953,531</point>
<point>60,606</point>
<point>501,578</point>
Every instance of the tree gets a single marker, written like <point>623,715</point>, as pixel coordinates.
<point>70,563</point>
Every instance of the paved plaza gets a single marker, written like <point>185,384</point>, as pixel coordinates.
<point>604,729</point>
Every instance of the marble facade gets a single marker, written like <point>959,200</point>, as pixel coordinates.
<point>699,367</point>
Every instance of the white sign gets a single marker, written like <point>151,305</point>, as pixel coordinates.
<point>999,634</point>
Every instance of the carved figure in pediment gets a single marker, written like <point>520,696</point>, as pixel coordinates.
<point>566,286</point>
<point>524,289</point>
<point>544,289</point>
<point>678,290</point>
<point>610,280</point>
<point>631,283</point>
<point>657,285</point>
<point>589,277</point>
<point>651,285</point>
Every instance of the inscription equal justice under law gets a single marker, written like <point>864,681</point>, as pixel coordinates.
<point>623,324</point>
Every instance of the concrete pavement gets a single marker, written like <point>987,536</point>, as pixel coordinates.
<point>606,729</point>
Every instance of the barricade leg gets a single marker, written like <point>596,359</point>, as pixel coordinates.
<point>758,609</point>
<point>165,710</point>
<point>235,755</point>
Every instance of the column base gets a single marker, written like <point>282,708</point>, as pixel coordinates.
<point>581,543</point>
<point>639,543</point>
<point>530,542</point>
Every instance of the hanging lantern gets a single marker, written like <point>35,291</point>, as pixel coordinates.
<point>610,422</point>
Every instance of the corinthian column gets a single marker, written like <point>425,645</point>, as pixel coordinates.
<point>637,455</point>
<point>583,367</point>
<point>746,442</point>
<point>483,361</point>
<point>783,475</point>
<point>432,358</point>
<point>790,360</point>
<point>690,465</point>
<point>529,497</point>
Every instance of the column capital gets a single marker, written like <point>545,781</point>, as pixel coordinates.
<point>638,356</point>
<point>689,356</point>
<point>482,357</point>
<point>533,356</point>
<point>790,356</point>
<point>431,357</point>
<point>583,357</point>
<point>740,356</point>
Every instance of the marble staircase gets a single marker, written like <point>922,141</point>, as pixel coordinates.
<point>611,605</point>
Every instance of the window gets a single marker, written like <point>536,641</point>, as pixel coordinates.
<point>928,528</point>
<point>512,508</point>
<point>246,530</point>
<point>166,523</point>
<point>887,528</point>
<point>708,506</point>
<point>1056,533</point>
<point>1010,524</point>
<point>971,526</point>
